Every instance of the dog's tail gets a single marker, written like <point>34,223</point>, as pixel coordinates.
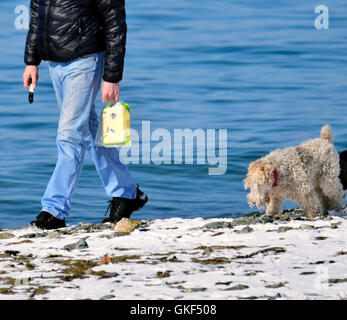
<point>326,133</point>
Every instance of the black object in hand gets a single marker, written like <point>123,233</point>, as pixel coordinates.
<point>31,94</point>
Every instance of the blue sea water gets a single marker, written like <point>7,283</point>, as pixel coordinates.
<point>259,69</point>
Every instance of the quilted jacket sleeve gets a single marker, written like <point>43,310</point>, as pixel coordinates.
<point>115,29</point>
<point>31,56</point>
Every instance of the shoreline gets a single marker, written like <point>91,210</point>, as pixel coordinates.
<point>248,257</point>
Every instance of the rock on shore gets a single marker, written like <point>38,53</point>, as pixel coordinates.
<point>250,257</point>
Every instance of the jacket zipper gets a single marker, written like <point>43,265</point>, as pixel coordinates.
<point>46,35</point>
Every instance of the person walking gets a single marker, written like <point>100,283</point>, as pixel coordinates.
<point>84,42</point>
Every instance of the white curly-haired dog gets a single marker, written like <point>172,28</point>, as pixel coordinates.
<point>307,174</point>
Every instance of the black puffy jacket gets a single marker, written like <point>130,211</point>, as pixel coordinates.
<point>62,30</point>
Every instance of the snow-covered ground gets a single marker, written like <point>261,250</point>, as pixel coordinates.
<point>289,257</point>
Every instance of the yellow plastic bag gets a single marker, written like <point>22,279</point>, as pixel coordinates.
<point>114,126</point>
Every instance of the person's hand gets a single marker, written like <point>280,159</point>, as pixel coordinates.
<point>110,91</point>
<point>30,75</point>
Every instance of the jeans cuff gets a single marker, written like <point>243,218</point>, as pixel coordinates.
<point>129,193</point>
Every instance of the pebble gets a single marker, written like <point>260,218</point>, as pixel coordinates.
<point>34,235</point>
<point>306,273</point>
<point>326,218</point>
<point>9,266</point>
<point>218,225</point>
<point>337,280</point>
<point>284,229</point>
<point>195,289</point>
<point>244,230</point>
<point>207,251</point>
<point>6,235</point>
<point>335,225</point>
<point>88,271</point>
<point>264,219</point>
<point>80,244</point>
<point>107,297</point>
<point>275,285</point>
<point>127,225</point>
<point>242,221</point>
<point>321,238</point>
<point>306,226</point>
<point>53,235</point>
<point>12,252</point>
<point>30,265</point>
<point>238,287</point>
<point>118,234</point>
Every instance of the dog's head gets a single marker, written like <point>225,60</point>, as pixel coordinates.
<point>260,179</point>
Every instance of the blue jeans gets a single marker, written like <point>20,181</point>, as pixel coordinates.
<point>76,85</point>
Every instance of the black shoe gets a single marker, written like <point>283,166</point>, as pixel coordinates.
<point>124,207</point>
<point>47,221</point>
